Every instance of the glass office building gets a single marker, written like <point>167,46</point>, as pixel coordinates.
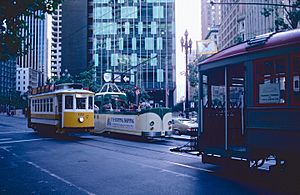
<point>135,38</point>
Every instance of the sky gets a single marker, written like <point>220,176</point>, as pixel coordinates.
<point>187,17</point>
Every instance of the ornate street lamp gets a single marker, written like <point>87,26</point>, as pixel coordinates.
<point>185,44</point>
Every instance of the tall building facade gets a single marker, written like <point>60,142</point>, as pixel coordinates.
<point>55,42</point>
<point>7,83</point>
<point>136,37</point>
<point>7,77</point>
<point>210,17</point>
<point>242,22</point>
<point>35,60</point>
<point>74,36</point>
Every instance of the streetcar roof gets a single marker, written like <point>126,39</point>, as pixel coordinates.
<point>64,91</point>
<point>274,40</point>
<point>110,93</point>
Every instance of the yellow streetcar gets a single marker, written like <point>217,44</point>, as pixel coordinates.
<point>64,108</point>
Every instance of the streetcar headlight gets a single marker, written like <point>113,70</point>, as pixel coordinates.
<point>151,123</point>
<point>81,119</point>
<point>170,123</point>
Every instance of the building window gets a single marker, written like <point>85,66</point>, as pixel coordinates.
<point>106,28</point>
<point>114,59</point>
<point>127,28</point>
<point>158,12</point>
<point>129,12</point>
<point>149,43</point>
<point>153,28</point>
<point>153,59</point>
<point>140,28</point>
<point>133,59</point>
<point>121,43</point>
<point>160,75</point>
<point>103,13</point>
<point>133,43</point>
<point>108,43</point>
<point>159,43</point>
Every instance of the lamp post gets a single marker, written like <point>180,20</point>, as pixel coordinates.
<point>185,44</point>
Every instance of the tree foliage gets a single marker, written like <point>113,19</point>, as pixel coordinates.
<point>87,78</point>
<point>13,27</point>
<point>193,75</point>
<point>291,19</point>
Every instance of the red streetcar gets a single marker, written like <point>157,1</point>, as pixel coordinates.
<point>250,102</point>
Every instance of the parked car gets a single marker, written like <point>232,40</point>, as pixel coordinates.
<point>183,126</point>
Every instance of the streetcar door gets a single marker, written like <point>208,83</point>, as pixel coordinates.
<point>59,110</point>
<point>235,106</point>
<point>213,106</point>
<point>223,108</point>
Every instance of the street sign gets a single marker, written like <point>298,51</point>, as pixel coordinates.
<point>117,78</point>
<point>125,78</point>
<point>107,77</point>
<point>206,47</point>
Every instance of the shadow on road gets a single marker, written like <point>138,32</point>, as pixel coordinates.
<point>271,182</point>
<point>134,138</point>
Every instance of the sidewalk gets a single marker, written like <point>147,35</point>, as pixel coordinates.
<point>18,116</point>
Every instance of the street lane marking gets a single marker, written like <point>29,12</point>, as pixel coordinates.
<point>5,139</point>
<point>15,132</point>
<point>185,155</point>
<point>24,140</point>
<point>190,167</point>
<point>59,178</point>
<point>168,171</point>
<point>51,174</point>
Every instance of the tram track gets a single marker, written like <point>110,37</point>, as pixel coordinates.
<point>149,149</point>
<point>153,157</point>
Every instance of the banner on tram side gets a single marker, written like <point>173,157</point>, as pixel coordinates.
<point>121,122</point>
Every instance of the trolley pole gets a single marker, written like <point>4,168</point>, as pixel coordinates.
<point>185,44</point>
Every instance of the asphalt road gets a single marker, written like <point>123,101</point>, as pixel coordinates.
<point>87,164</point>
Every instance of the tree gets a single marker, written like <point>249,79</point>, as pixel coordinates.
<point>87,78</point>
<point>13,27</point>
<point>193,74</point>
<point>291,19</point>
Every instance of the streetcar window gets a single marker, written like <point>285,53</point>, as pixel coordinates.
<point>48,104</point>
<point>296,81</point>
<point>91,103</point>
<point>205,90</point>
<point>59,102</point>
<point>32,105</point>
<point>69,102</point>
<point>51,104</point>
<point>36,106</point>
<point>270,80</point>
<point>39,105</point>
<point>44,105</point>
<point>80,103</point>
